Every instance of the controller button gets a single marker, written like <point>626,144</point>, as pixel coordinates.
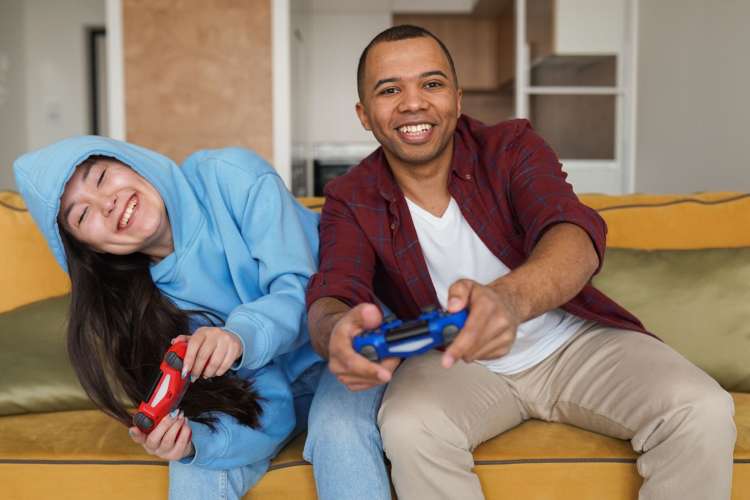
<point>449,333</point>
<point>369,352</point>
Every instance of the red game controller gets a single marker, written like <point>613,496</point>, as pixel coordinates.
<point>167,391</point>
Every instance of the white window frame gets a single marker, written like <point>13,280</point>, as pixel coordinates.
<point>615,176</point>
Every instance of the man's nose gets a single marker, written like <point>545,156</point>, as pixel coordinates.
<point>412,100</point>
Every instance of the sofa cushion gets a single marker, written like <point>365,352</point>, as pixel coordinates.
<point>37,376</point>
<point>27,262</point>
<point>58,456</point>
<point>694,300</point>
<point>669,221</point>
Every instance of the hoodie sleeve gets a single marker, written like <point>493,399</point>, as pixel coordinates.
<point>233,444</point>
<point>280,235</point>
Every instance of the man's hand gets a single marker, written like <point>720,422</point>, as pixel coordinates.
<point>353,370</point>
<point>170,440</point>
<point>211,352</point>
<point>490,329</point>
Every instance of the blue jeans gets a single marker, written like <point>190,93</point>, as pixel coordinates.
<point>189,482</point>
<point>343,442</point>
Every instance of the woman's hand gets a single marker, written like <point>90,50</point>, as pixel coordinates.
<point>169,440</point>
<point>211,352</point>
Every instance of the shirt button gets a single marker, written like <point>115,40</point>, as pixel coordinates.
<point>467,177</point>
<point>393,226</point>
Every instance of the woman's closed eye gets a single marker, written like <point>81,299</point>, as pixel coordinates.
<point>101,177</point>
<point>83,215</point>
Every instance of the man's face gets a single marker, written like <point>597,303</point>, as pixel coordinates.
<point>110,208</point>
<point>410,101</point>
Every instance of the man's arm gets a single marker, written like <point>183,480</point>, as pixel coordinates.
<point>322,317</point>
<point>559,266</point>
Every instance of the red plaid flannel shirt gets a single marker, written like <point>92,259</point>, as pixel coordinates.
<point>510,188</point>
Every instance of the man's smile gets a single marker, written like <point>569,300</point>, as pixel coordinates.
<point>415,133</point>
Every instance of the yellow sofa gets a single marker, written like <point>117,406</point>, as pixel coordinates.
<point>82,454</point>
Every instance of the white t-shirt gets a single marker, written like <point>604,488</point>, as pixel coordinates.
<point>454,251</point>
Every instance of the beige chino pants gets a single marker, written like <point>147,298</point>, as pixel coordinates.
<point>615,382</point>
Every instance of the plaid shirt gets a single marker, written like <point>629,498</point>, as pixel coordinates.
<point>510,188</point>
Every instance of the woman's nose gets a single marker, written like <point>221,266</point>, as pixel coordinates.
<point>107,204</point>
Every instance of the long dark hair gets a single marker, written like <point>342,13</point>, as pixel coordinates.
<point>120,325</point>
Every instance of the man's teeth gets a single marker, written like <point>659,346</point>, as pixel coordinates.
<point>128,213</point>
<point>415,129</point>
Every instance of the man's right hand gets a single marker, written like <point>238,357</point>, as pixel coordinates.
<point>353,370</point>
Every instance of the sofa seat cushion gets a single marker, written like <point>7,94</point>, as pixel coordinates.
<point>84,454</point>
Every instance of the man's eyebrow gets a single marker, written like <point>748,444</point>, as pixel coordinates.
<point>426,74</point>
<point>385,80</point>
<point>436,72</point>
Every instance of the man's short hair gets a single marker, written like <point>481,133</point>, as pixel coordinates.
<point>394,34</point>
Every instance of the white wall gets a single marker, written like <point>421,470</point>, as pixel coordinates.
<point>693,96</point>
<point>56,90</point>
<point>43,47</point>
<point>12,92</point>
<point>336,42</point>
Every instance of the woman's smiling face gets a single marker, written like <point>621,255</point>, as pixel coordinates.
<point>109,207</point>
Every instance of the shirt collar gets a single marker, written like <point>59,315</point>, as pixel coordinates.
<point>463,164</point>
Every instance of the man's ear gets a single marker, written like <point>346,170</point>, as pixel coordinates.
<point>360,109</point>
<point>459,96</point>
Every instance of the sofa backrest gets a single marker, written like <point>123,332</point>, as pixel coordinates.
<point>712,220</point>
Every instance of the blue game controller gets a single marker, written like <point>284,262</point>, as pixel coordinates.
<point>403,339</point>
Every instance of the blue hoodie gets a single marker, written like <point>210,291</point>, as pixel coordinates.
<point>244,250</point>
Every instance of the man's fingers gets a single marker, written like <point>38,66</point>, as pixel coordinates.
<point>494,348</point>
<point>391,364</point>
<point>463,343</point>
<point>362,317</point>
<point>458,295</point>
<point>356,365</point>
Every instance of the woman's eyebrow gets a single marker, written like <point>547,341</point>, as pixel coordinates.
<point>86,169</point>
<point>66,213</point>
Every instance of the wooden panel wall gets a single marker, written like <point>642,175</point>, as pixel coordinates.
<point>198,75</point>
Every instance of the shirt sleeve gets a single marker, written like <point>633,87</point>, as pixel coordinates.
<point>541,197</point>
<point>280,238</point>
<point>232,444</point>
<point>347,259</point>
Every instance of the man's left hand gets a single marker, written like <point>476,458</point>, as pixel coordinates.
<point>490,329</point>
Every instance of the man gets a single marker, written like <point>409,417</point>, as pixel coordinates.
<point>451,212</point>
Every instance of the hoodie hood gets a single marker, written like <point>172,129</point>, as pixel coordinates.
<point>41,177</point>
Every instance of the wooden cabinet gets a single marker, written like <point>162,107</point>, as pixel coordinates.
<point>482,47</point>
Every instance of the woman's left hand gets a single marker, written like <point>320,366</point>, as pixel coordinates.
<point>170,440</point>
<point>211,352</point>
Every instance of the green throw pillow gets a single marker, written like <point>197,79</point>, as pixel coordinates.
<point>697,301</point>
<point>37,376</point>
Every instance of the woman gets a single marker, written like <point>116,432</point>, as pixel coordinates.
<point>217,253</point>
